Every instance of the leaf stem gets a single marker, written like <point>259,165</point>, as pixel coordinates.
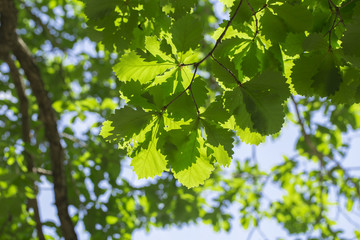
<point>256,20</point>
<point>228,70</point>
<point>179,95</point>
<point>193,98</point>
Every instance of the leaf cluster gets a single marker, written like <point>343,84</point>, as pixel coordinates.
<point>177,120</point>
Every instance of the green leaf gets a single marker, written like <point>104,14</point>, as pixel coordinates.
<point>218,136</point>
<point>250,63</point>
<point>316,74</point>
<point>315,42</point>
<point>249,137</point>
<point>302,72</point>
<point>197,173</point>
<point>349,91</point>
<point>223,75</point>
<point>258,104</point>
<point>187,33</point>
<point>111,220</point>
<point>294,43</point>
<point>216,111</point>
<point>186,152</point>
<point>182,146</point>
<point>273,59</point>
<point>149,161</point>
<point>199,91</point>
<point>94,10</point>
<point>296,17</point>
<point>133,94</point>
<point>273,27</point>
<point>133,67</point>
<point>183,108</point>
<point>228,3</point>
<point>152,44</point>
<point>350,40</point>
<point>106,129</point>
<point>221,155</point>
<point>126,122</point>
<point>327,79</point>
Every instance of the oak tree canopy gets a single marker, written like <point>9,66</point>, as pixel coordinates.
<point>179,120</point>
<point>93,93</point>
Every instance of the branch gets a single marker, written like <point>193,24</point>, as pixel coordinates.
<point>9,37</point>
<point>314,151</point>
<point>25,127</point>
<point>8,25</point>
<point>57,154</point>
<point>250,234</point>
<point>348,177</point>
<point>306,136</point>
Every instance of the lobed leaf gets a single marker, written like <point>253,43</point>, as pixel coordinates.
<point>133,67</point>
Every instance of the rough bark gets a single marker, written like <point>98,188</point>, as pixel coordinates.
<point>57,154</point>
<point>25,129</point>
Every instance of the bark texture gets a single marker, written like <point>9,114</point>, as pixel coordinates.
<point>10,43</point>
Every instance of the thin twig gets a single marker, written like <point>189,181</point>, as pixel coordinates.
<point>262,234</point>
<point>349,219</point>
<point>46,30</point>
<point>337,11</point>
<point>250,234</point>
<point>262,8</point>
<point>218,40</point>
